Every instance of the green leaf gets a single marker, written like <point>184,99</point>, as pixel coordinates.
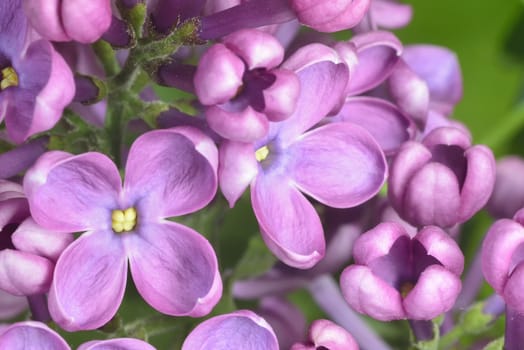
<point>256,260</point>
<point>497,344</point>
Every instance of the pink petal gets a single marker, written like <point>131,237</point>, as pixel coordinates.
<point>31,335</point>
<point>23,273</point>
<point>257,48</point>
<point>116,344</point>
<point>246,125</point>
<point>377,242</point>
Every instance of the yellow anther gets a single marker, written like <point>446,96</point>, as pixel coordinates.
<point>123,220</point>
<point>9,78</point>
<point>262,153</point>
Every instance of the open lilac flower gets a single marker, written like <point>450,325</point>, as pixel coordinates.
<point>243,90</point>
<point>169,173</point>
<point>399,277</point>
<point>64,20</point>
<point>324,334</point>
<point>35,335</point>
<point>35,82</point>
<point>242,329</point>
<point>442,180</point>
<point>339,164</point>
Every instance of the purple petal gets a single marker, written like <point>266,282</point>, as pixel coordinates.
<point>21,157</point>
<point>11,306</point>
<point>440,245</point>
<point>338,164</point>
<point>326,334</point>
<point>31,335</point>
<point>281,97</point>
<point>89,282</point>
<point>257,48</point>
<point>82,190</point>
<point>367,247</point>
<point>245,125</point>
<point>508,194</point>
<point>116,344</point>
<point>241,329</point>
<point>175,269</point>
<point>323,77</point>
<point>390,14</point>
<point>32,238</point>
<point>289,224</point>
<point>435,293</point>
<point>23,273</point>
<point>171,172</point>
<point>370,295</point>
<point>378,52</point>
<point>383,120</point>
<point>512,292</point>
<point>238,167</point>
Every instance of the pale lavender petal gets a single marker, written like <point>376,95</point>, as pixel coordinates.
<point>382,119</point>
<point>366,248</point>
<point>32,238</point>
<point>390,14</point>
<point>370,295</point>
<point>512,292</point>
<point>82,190</point>
<point>258,49</point>
<point>11,305</point>
<point>22,157</point>
<point>326,334</point>
<point>289,224</point>
<point>439,244</point>
<point>281,97</point>
<point>245,125</point>
<point>378,52</point>
<point>31,335</point>
<point>116,344</point>
<point>508,194</point>
<point>241,329</point>
<point>238,167</point>
<point>170,172</point>
<point>175,269</point>
<point>23,273</point>
<point>339,164</point>
<point>435,293</point>
<point>89,282</point>
<point>44,17</point>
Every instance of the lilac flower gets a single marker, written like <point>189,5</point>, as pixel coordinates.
<point>242,329</point>
<point>168,173</point>
<point>27,253</point>
<point>398,277</point>
<point>64,20</point>
<point>508,195</point>
<point>22,157</point>
<point>32,335</point>
<point>243,90</point>
<point>36,84</point>
<point>442,180</point>
<point>338,164</point>
<point>324,334</point>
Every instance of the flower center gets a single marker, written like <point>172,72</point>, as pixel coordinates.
<point>123,220</point>
<point>406,288</point>
<point>9,78</point>
<point>262,153</point>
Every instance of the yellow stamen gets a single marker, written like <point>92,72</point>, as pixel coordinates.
<point>406,288</point>
<point>262,153</point>
<point>123,220</point>
<point>9,78</point>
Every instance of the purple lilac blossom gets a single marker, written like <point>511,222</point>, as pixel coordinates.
<point>442,180</point>
<point>36,335</point>
<point>22,157</point>
<point>399,277</point>
<point>239,83</point>
<point>242,329</point>
<point>508,195</point>
<point>169,173</point>
<point>324,334</point>
<point>36,83</point>
<point>339,164</point>
<point>64,20</point>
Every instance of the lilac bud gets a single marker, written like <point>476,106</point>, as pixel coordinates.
<point>241,329</point>
<point>64,20</point>
<point>398,277</point>
<point>442,180</point>
<point>324,334</point>
<point>508,194</point>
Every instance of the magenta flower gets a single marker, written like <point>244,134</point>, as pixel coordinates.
<point>35,82</point>
<point>399,277</point>
<point>35,335</point>
<point>324,334</point>
<point>169,173</point>
<point>242,329</point>
<point>442,180</point>
<point>339,164</point>
<point>243,90</point>
<point>64,20</point>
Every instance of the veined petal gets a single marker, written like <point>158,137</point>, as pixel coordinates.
<point>175,269</point>
<point>289,224</point>
<point>82,190</point>
<point>167,174</point>
<point>89,282</point>
<point>245,125</point>
<point>23,273</point>
<point>339,164</point>
<point>31,335</point>
<point>238,167</point>
<point>116,344</point>
<point>377,242</point>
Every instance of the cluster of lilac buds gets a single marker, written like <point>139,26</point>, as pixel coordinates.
<point>232,155</point>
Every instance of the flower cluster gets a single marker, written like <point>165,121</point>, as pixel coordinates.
<point>133,130</point>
